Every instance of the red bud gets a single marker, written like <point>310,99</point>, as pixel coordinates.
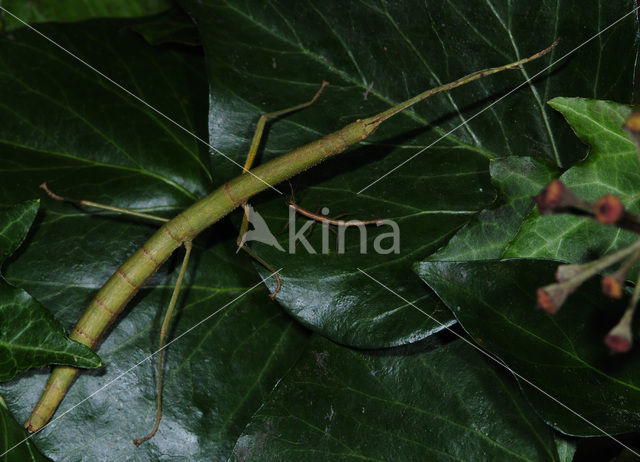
<point>608,209</point>
<point>617,344</point>
<point>611,287</point>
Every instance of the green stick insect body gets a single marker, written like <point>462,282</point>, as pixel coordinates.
<point>127,280</point>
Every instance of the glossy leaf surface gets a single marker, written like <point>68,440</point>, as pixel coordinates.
<point>35,11</point>
<point>562,354</point>
<point>263,58</point>
<point>29,336</point>
<point>611,168</point>
<point>13,434</point>
<point>62,123</point>
<point>447,404</point>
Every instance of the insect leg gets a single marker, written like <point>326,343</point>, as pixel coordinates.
<point>163,333</point>
<point>253,150</point>
<point>111,208</point>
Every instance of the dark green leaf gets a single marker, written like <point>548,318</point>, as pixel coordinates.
<point>488,235</point>
<point>13,434</point>
<point>15,222</point>
<point>612,167</point>
<point>34,11</point>
<point>341,404</point>
<point>29,335</point>
<point>265,57</point>
<point>173,26</point>
<point>566,447</point>
<point>62,123</point>
<point>563,354</point>
<point>216,376</point>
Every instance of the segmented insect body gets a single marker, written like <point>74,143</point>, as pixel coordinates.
<point>127,280</point>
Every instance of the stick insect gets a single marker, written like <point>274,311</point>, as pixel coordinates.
<point>118,290</point>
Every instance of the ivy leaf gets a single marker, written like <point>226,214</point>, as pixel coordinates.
<point>611,168</point>
<point>15,222</point>
<point>566,447</point>
<point>13,434</point>
<point>35,11</point>
<point>63,124</point>
<point>391,405</point>
<point>562,354</point>
<point>173,26</point>
<point>489,234</point>
<point>263,58</point>
<point>29,335</point>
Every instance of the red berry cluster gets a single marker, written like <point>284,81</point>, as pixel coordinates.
<point>609,210</point>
